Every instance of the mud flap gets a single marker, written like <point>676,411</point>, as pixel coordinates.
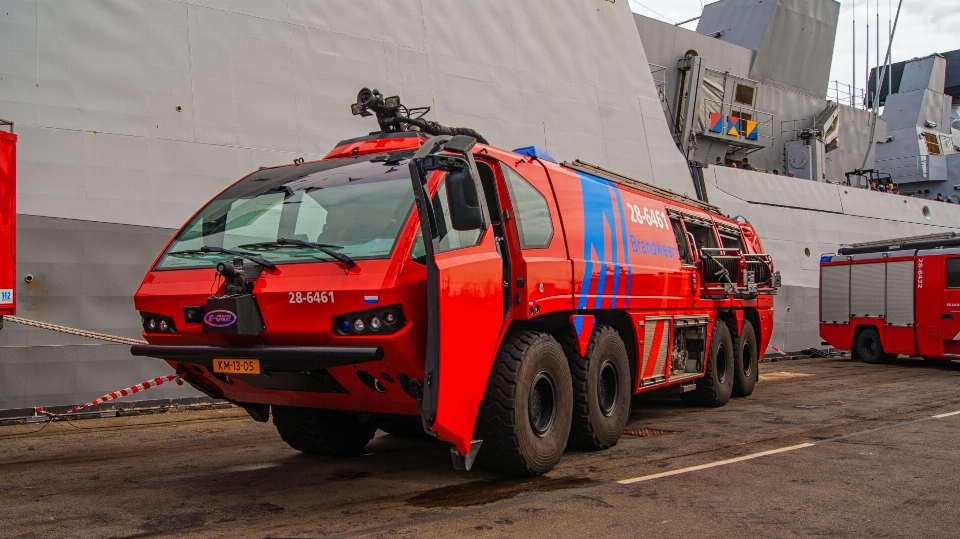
<point>465,462</point>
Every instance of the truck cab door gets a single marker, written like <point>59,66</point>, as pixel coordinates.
<point>465,310</point>
<point>950,307</point>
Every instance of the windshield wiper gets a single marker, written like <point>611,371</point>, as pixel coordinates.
<point>249,256</point>
<point>323,247</point>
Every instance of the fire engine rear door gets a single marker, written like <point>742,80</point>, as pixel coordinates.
<point>464,287</point>
<point>950,307</point>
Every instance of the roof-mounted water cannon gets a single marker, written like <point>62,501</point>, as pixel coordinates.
<point>394,117</point>
<point>386,108</point>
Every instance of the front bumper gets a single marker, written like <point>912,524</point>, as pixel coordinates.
<point>272,358</point>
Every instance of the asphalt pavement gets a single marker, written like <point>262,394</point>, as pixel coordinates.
<point>825,447</point>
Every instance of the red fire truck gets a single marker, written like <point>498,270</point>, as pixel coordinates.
<point>884,298</point>
<point>8,221</point>
<point>436,283</point>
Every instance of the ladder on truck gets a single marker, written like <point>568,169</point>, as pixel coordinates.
<point>929,241</point>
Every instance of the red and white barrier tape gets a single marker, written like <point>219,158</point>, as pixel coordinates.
<point>160,380</point>
<point>777,350</point>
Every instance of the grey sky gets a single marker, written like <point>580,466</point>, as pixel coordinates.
<point>925,27</point>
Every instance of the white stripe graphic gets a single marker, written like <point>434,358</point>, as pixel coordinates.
<point>713,464</point>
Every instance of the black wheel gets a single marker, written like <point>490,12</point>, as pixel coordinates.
<point>401,426</point>
<point>323,432</point>
<point>715,388</point>
<point>601,390</point>
<point>524,418</point>
<point>869,347</point>
<point>745,361</point>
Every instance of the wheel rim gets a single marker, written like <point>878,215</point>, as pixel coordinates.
<point>608,388</point>
<point>869,347</point>
<point>747,357</point>
<point>721,365</point>
<point>542,409</point>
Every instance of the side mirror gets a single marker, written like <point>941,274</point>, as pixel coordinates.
<point>464,203</point>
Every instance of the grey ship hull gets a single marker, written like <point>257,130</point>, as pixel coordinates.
<point>132,114</point>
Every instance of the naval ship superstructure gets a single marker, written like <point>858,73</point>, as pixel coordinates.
<point>131,115</point>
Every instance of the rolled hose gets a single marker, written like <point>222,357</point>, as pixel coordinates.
<point>435,129</point>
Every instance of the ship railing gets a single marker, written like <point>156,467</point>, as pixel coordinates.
<point>764,119</point>
<point>659,74</point>
<point>791,129</point>
<point>845,94</point>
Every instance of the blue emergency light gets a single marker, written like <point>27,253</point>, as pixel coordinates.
<point>535,152</point>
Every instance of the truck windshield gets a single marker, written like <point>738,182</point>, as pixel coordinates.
<point>356,209</point>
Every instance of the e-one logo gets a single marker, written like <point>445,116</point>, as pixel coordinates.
<point>219,319</point>
<point>6,296</point>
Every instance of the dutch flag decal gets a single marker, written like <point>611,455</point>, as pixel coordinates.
<point>371,300</point>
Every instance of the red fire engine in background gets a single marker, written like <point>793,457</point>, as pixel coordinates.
<point>884,298</point>
<point>415,283</point>
<point>8,221</point>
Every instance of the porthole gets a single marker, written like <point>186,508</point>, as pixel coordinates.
<point>926,212</point>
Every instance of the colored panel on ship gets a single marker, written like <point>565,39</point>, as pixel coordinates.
<point>716,122</point>
<point>733,122</point>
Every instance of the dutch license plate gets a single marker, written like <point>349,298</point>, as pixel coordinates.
<point>237,366</point>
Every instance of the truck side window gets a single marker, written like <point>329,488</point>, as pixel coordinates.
<point>530,208</point>
<point>682,246</point>
<point>703,235</point>
<point>953,273</point>
<point>731,242</point>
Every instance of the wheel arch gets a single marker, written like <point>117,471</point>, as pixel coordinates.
<point>557,324</point>
<point>859,328</point>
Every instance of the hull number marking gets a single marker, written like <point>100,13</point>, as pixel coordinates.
<point>646,215</point>
<point>311,297</point>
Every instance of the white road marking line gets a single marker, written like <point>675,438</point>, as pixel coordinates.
<point>713,464</point>
<point>947,414</point>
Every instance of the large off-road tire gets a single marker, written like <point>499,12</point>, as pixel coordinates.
<point>745,361</point>
<point>869,347</point>
<point>601,389</point>
<point>323,432</point>
<point>715,388</point>
<point>524,418</point>
<point>401,426</point>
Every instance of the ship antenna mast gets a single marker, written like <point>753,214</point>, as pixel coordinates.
<point>873,119</point>
<point>853,87</point>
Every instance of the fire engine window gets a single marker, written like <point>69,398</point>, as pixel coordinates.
<point>703,236</point>
<point>450,239</point>
<point>530,209</point>
<point>682,246</point>
<point>418,253</point>
<point>359,206</point>
<point>731,242</point>
<point>953,273</point>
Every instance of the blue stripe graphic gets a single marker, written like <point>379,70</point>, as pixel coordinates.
<point>599,218</point>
